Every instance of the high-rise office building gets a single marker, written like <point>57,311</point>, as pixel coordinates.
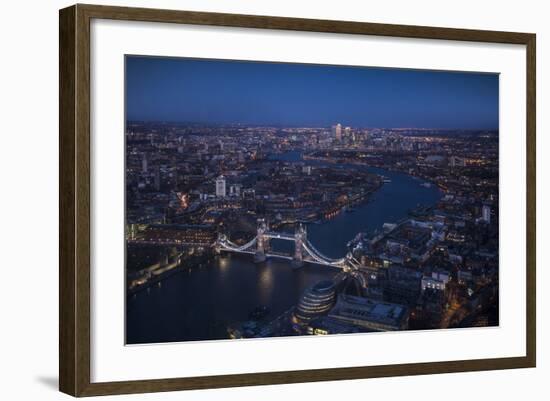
<point>337,131</point>
<point>220,187</point>
<point>235,190</point>
<point>455,161</point>
<point>144,163</point>
<point>157,178</point>
<point>486,213</point>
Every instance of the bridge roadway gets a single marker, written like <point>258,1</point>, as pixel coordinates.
<point>283,236</point>
<point>304,250</point>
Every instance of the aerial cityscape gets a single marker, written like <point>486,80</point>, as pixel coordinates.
<point>270,199</point>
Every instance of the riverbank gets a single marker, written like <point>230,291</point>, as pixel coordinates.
<point>157,273</point>
<point>392,168</point>
<point>200,304</point>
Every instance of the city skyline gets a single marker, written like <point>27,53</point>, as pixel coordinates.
<point>322,221</point>
<point>225,92</point>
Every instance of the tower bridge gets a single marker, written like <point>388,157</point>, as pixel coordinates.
<point>304,251</point>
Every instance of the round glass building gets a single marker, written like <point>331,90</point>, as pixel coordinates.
<point>316,301</point>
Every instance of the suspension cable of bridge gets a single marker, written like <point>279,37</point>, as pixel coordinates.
<point>234,247</point>
<point>319,257</point>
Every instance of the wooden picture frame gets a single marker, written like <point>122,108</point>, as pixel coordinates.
<point>74,204</point>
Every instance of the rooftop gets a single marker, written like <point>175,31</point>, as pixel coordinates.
<point>366,309</point>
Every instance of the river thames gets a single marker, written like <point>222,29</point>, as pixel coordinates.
<point>200,303</point>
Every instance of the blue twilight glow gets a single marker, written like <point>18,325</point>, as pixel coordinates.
<point>214,91</point>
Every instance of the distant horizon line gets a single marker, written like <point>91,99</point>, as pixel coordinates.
<point>267,125</point>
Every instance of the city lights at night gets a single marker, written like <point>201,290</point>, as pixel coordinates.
<point>272,199</point>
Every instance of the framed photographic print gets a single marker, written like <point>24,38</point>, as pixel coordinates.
<point>310,199</point>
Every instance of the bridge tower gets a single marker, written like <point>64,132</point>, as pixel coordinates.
<point>217,245</point>
<point>262,242</point>
<point>300,238</point>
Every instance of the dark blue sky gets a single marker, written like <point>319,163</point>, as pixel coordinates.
<point>214,91</point>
